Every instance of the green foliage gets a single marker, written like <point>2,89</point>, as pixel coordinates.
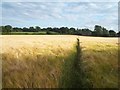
<point>16,29</point>
<point>32,29</point>
<point>101,31</point>
<point>112,33</point>
<point>7,29</point>
<point>72,74</point>
<point>98,31</point>
<point>47,32</point>
<point>118,34</point>
<point>86,32</point>
<point>38,28</point>
<point>105,32</point>
<point>71,30</point>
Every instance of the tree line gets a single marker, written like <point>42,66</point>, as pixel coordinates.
<point>98,30</point>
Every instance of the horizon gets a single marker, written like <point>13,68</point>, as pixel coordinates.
<point>60,27</point>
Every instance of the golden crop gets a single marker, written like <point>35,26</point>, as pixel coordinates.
<point>100,60</point>
<point>36,61</point>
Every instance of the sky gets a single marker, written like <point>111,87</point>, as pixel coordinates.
<point>60,14</point>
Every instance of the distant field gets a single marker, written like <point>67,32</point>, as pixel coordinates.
<point>48,61</point>
<point>29,33</point>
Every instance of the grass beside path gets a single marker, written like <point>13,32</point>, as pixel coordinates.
<point>73,75</point>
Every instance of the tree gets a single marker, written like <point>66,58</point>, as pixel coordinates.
<point>72,30</point>
<point>26,29</point>
<point>7,29</point>
<point>105,32</point>
<point>118,34</point>
<point>1,28</point>
<point>37,28</point>
<point>64,30</point>
<point>78,32</point>
<point>31,29</point>
<point>56,30</point>
<point>49,28</point>
<point>86,32</point>
<point>98,30</point>
<point>43,29</point>
<point>48,32</point>
<point>112,33</point>
<point>16,29</point>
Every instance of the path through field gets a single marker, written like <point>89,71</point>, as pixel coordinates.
<point>65,61</point>
<point>73,75</point>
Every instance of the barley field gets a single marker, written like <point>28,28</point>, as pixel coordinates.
<point>100,61</point>
<point>48,61</point>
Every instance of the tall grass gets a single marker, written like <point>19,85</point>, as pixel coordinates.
<point>73,75</point>
<point>37,66</point>
<point>70,77</point>
<point>100,57</point>
<point>57,61</point>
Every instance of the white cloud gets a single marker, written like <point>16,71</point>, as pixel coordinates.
<point>61,1</point>
<point>75,14</point>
